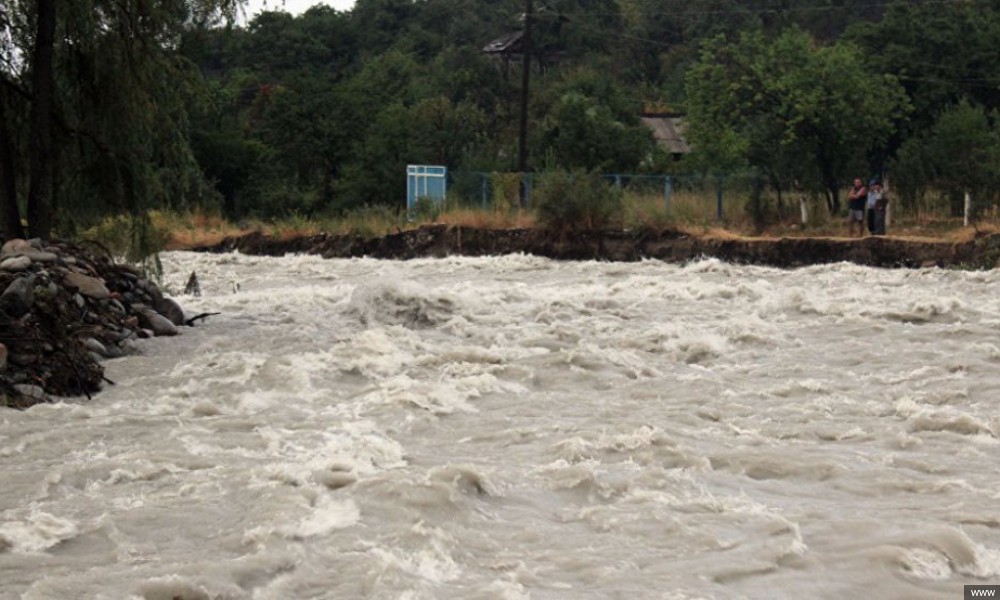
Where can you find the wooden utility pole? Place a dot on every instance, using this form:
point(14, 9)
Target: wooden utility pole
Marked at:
point(522, 152)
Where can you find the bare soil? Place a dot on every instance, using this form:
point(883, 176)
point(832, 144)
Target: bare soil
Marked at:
point(978, 251)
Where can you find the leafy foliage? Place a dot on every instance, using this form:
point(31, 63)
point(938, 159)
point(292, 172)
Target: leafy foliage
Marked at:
point(577, 201)
point(960, 154)
point(941, 55)
point(109, 98)
point(793, 109)
point(171, 103)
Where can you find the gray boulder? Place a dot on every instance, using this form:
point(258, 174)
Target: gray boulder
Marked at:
point(87, 285)
point(34, 392)
point(95, 346)
point(17, 299)
point(41, 255)
point(15, 263)
point(154, 321)
point(15, 246)
point(171, 310)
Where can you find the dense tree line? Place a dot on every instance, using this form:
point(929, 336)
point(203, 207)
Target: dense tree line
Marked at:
point(94, 108)
point(110, 106)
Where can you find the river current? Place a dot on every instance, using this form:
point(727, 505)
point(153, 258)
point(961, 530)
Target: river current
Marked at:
point(515, 427)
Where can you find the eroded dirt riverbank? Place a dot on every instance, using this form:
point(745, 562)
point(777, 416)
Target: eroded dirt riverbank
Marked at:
point(982, 252)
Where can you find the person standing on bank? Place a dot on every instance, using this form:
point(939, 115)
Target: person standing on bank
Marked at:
point(881, 204)
point(870, 204)
point(856, 200)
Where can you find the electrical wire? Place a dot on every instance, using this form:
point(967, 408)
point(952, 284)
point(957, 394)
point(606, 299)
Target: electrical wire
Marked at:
point(800, 9)
point(976, 83)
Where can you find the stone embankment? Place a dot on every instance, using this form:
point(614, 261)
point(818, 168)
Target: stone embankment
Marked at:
point(981, 252)
point(63, 310)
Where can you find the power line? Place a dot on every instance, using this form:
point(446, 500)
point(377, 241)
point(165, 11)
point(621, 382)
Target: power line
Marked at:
point(625, 36)
point(741, 11)
point(966, 81)
point(988, 83)
point(938, 66)
point(979, 83)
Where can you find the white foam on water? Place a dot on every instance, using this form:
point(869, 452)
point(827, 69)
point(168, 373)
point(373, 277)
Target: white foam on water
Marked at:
point(921, 417)
point(36, 533)
point(402, 303)
point(926, 564)
point(466, 479)
point(431, 561)
point(436, 398)
point(323, 515)
point(515, 427)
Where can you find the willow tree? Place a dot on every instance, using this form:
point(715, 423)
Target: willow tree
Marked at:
point(106, 94)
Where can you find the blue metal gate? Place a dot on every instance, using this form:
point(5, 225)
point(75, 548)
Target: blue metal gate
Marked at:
point(425, 181)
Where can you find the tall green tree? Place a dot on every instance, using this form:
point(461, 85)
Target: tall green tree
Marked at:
point(106, 93)
point(792, 108)
point(941, 53)
point(592, 124)
point(959, 154)
point(223, 143)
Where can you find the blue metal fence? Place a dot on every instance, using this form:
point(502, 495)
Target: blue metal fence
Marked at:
point(502, 190)
point(425, 181)
point(485, 189)
point(713, 196)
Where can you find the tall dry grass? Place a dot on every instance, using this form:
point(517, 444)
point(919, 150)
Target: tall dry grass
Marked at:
point(487, 219)
point(193, 228)
point(692, 212)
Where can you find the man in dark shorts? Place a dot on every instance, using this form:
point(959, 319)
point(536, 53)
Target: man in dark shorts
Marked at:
point(856, 200)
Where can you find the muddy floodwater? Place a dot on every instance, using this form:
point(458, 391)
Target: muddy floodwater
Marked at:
point(515, 427)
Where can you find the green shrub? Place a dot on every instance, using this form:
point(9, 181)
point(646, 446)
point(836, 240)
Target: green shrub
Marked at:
point(576, 201)
point(506, 191)
point(136, 240)
point(369, 221)
point(426, 209)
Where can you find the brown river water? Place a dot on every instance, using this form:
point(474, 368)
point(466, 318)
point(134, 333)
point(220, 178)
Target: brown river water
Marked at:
point(515, 428)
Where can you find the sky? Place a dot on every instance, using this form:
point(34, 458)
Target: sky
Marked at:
point(295, 7)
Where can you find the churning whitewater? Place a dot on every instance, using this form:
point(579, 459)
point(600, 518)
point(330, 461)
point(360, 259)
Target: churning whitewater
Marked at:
point(516, 428)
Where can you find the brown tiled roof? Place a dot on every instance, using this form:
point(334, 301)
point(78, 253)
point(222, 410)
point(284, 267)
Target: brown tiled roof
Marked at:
point(669, 133)
point(506, 43)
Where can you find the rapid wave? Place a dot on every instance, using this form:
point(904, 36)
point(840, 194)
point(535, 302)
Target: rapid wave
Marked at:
point(515, 427)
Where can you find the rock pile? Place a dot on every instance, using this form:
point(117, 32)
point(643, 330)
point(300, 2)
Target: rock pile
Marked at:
point(63, 310)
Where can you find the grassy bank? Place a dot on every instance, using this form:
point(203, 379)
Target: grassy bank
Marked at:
point(692, 214)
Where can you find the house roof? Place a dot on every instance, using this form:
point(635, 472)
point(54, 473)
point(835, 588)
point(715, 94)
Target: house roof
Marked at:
point(510, 42)
point(669, 133)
